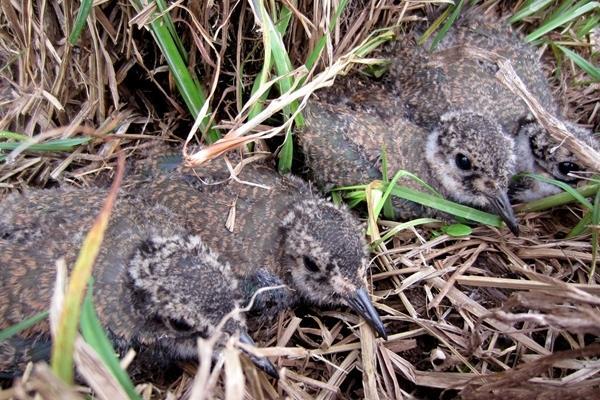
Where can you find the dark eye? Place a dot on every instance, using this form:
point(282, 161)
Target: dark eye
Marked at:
point(310, 264)
point(566, 167)
point(179, 325)
point(463, 162)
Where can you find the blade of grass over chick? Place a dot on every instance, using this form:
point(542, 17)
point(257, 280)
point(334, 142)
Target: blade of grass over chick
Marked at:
point(64, 342)
point(426, 199)
point(454, 14)
point(568, 196)
point(95, 336)
point(21, 326)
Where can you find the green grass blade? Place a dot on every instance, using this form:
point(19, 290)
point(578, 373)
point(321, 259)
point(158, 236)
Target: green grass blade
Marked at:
point(584, 64)
point(562, 18)
point(84, 10)
point(587, 26)
point(187, 83)
point(66, 331)
point(262, 77)
point(49, 146)
point(564, 186)
point(447, 206)
point(353, 203)
point(348, 188)
point(528, 9)
point(286, 153)
point(162, 7)
point(94, 335)
point(455, 13)
point(434, 26)
point(595, 222)
point(316, 53)
point(402, 226)
point(558, 199)
point(21, 326)
point(581, 226)
point(13, 135)
point(388, 207)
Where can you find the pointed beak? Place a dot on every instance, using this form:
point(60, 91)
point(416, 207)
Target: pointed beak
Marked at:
point(500, 204)
point(262, 363)
point(360, 302)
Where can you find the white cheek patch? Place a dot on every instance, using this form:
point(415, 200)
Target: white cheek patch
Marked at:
point(342, 286)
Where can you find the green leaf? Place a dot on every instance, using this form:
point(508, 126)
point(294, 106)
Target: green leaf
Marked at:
point(187, 82)
point(286, 154)
point(457, 230)
point(64, 342)
point(581, 226)
point(447, 25)
point(50, 146)
point(447, 206)
point(588, 25)
point(559, 199)
point(13, 135)
point(584, 64)
point(564, 186)
point(595, 222)
point(402, 226)
point(336, 198)
point(316, 53)
point(84, 10)
point(528, 9)
point(562, 18)
point(94, 335)
point(434, 26)
point(163, 8)
point(21, 326)
point(388, 207)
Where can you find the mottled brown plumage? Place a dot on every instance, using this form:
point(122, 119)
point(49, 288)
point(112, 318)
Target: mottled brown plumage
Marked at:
point(346, 130)
point(280, 233)
point(431, 84)
point(157, 288)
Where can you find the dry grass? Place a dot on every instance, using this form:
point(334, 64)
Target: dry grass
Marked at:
point(490, 316)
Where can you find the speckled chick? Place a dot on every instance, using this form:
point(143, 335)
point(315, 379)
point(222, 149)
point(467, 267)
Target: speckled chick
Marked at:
point(464, 156)
point(432, 84)
point(157, 288)
point(281, 233)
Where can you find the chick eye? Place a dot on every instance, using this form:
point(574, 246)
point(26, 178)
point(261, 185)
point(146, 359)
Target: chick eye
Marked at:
point(566, 167)
point(463, 162)
point(179, 325)
point(310, 264)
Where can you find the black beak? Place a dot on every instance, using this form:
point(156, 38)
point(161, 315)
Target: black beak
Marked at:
point(261, 362)
point(360, 302)
point(500, 204)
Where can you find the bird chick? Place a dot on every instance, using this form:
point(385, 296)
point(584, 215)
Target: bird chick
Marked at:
point(273, 231)
point(156, 287)
point(465, 156)
point(432, 84)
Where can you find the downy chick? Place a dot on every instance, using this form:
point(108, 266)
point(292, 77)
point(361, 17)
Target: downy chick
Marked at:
point(278, 233)
point(464, 156)
point(157, 288)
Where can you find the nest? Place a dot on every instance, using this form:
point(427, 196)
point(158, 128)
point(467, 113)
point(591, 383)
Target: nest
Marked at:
point(484, 317)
